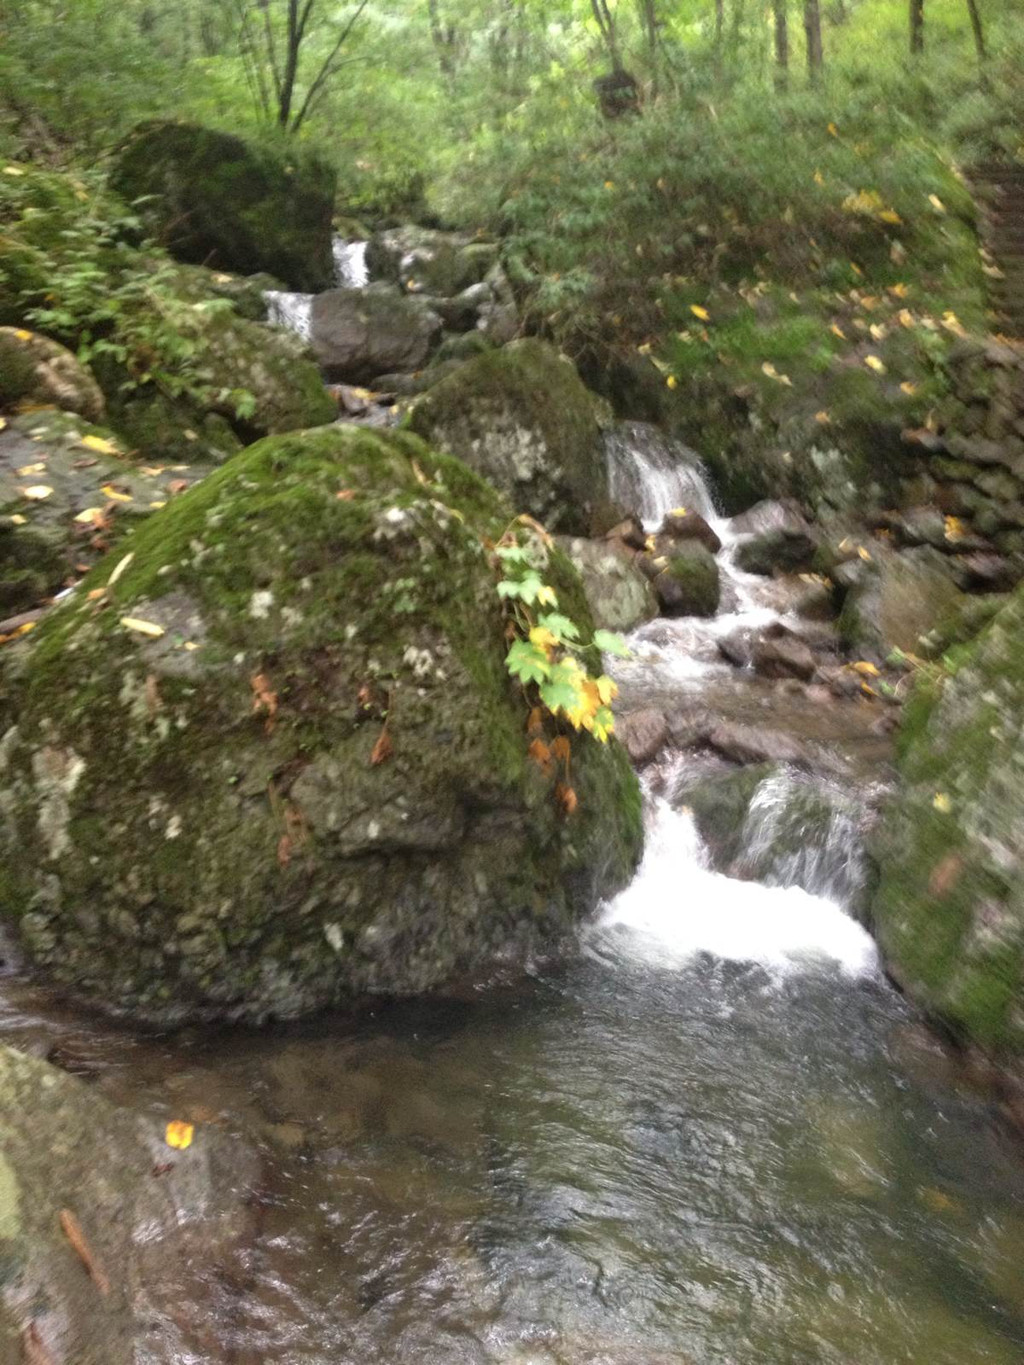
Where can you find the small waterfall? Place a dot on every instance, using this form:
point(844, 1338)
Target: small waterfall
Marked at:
point(295, 311)
point(650, 474)
point(350, 268)
point(676, 909)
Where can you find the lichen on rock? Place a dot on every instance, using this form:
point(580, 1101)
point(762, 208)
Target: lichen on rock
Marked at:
point(229, 846)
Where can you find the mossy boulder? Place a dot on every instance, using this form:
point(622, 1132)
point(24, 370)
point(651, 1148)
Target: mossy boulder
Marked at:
point(896, 599)
point(950, 906)
point(522, 417)
point(688, 582)
point(214, 199)
point(305, 774)
point(37, 370)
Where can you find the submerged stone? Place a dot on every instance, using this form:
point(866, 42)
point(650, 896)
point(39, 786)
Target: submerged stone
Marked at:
point(281, 761)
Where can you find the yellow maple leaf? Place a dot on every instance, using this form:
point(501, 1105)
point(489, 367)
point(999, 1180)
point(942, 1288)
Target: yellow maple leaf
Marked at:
point(546, 596)
point(179, 1134)
point(890, 216)
point(819, 179)
point(672, 382)
point(865, 668)
point(954, 528)
point(607, 690)
point(543, 638)
point(833, 130)
point(873, 363)
point(942, 803)
point(879, 331)
point(101, 445)
point(699, 312)
point(905, 318)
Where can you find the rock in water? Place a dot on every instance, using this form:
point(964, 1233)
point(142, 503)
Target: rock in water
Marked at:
point(522, 417)
point(96, 1213)
point(360, 334)
point(689, 583)
point(216, 200)
point(950, 904)
point(204, 812)
point(619, 595)
point(42, 371)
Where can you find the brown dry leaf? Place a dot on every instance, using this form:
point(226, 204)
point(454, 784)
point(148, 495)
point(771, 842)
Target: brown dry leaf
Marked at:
point(264, 700)
point(72, 1230)
point(284, 850)
point(95, 594)
point(177, 486)
point(541, 755)
point(535, 721)
point(561, 748)
point(566, 798)
point(383, 749)
point(822, 418)
point(33, 1348)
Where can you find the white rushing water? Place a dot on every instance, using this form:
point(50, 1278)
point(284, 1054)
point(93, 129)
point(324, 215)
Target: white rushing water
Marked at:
point(295, 311)
point(677, 907)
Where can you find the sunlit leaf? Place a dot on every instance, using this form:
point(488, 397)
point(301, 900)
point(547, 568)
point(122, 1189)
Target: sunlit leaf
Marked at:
point(101, 445)
point(142, 627)
point(36, 492)
point(179, 1134)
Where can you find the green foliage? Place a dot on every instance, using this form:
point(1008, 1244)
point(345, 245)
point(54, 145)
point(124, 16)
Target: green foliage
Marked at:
point(73, 265)
point(547, 653)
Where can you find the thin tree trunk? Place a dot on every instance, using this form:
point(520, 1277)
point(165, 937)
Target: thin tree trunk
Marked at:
point(977, 29)
point(812, 27)
point(606, 24)
point(781, 44)
point(916, 26)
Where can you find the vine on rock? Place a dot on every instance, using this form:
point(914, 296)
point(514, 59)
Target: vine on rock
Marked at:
point(561, 673)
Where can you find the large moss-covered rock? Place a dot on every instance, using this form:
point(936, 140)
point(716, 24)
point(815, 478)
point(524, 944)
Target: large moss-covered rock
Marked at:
point(143, 1210)
point(521, 416)
point(217, 200)
point(896, 599)
point(950, 906)
point(37, 370)
point(206, 814)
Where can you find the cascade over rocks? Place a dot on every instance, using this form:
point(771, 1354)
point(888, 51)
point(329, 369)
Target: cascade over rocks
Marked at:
point(950, 904)
point(216, 200)
point(360, 334)
point(522, 418)
point(304, 774)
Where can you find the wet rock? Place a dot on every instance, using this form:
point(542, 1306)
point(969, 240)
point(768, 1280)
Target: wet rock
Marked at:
point(719, 804)
point(897, 598)
point(262, 852)
point(748, 744)
point(985, 573)
point(685, 524)
point(522, 418)
point(950, 906)
point(737, 648)
point(643, 733)
point(499, 323)
point(427, 261)
point(143, 1209)
point(461, 313)
point(783, 656)
point(688, 581)
point(35, 369)
point(217, 200)
point(619, 595)
point(358, 334)
point(630, 533)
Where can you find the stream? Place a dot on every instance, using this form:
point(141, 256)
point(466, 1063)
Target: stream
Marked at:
point(715, 1136)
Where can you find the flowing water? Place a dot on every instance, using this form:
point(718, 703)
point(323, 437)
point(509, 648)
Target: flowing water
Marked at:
point(295, 311)
point(714, 1137)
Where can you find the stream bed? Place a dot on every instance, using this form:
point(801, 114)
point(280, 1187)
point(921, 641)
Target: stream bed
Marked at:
point(714, 1136)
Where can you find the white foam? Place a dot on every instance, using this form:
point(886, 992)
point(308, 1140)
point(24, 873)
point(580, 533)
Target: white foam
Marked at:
point(292, 311)
point(676, 909)
point(350, 268)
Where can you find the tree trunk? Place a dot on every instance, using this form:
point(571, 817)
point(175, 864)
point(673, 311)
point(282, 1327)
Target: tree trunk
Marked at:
point(812, 27)
point(916, 26)
point(606, 24)
point(781, 44)
point(977, 29)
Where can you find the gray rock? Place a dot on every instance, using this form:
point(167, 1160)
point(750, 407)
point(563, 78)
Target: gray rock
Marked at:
point(688, 581)
point(686, 524)
point(619, 595)
point(35, 369)
point(644, 734)
point(358, 334)
point(783, 656)
point(899, 598)
point(748, 744)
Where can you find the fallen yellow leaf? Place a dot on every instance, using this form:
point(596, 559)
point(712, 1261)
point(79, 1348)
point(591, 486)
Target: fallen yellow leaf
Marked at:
point(13, 170)
point(899, 291)
point(833, 130)
point(873, 363)
point(672, 381)
point(866, 668)
point(101, 445)
point(143, 627)
point(18, 519)
point(27, 469)
point(89, 516)
point(942, 803)
point(822, 418)
point(179, 1134)
point(838, 331)
point(936, 203)
point(699, 312)
point(37, 492)
point(114, 496)
point(908, 388)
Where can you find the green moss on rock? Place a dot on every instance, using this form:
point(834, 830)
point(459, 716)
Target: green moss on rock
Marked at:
point(522, 417)
point(195, 824)
point(950, 906)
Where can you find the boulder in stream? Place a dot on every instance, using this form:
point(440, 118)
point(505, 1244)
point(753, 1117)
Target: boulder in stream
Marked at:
point(522, 417)
point(360, 334)
point(98, 1217)
point(777, 539)
point(279, 760)
point(214, 199)
point(687, 581)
